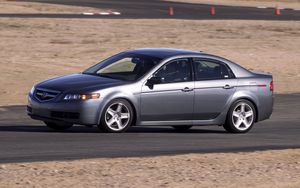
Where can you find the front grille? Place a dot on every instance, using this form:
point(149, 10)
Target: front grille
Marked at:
point(67, 115)
point(45, 94)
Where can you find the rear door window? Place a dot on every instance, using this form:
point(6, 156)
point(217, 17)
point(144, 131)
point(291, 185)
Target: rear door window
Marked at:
point(208, 69)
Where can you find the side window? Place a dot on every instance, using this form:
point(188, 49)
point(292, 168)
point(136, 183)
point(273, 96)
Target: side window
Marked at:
point(178, 70)
point(206, 69)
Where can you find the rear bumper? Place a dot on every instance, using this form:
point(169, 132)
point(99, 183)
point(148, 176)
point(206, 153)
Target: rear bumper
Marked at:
point(76, 112)
point(265, 109)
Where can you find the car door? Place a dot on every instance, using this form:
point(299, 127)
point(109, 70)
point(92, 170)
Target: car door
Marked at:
point(172, 99)
point(214, 86)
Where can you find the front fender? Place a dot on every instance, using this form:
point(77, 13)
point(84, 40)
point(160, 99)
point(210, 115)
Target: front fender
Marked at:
point(120, 93)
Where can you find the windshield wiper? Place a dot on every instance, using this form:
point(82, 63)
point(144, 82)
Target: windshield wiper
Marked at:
point(109, 76)
point(102, 75)
point(89, 73)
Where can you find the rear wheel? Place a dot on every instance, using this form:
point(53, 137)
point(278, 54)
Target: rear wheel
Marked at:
point(182, 127)
point(241, 117)
point(117, 116)
point(58, 126)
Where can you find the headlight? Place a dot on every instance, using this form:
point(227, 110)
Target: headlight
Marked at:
point(32, 90)
point(81, 96)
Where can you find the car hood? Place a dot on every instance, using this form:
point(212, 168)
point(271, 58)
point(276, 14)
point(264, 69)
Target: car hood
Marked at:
point(78, 82)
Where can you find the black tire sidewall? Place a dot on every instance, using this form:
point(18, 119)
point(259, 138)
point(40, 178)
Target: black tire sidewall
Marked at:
point(105, 128)
point(229, 126)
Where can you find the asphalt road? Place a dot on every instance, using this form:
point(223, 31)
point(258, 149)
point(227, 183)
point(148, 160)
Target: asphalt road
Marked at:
point(157, 9)
point(24, 140)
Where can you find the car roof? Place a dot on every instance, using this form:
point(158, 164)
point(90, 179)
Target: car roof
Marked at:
point(163, 53)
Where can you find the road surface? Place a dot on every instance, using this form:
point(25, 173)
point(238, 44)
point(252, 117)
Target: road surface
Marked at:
point(156, 9)
point(25, 140)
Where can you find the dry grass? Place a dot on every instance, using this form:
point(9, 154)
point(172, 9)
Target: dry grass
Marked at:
point(253, 170)
point(37, 49)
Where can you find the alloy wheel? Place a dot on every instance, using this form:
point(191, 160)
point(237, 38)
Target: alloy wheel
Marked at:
point(117, 116)
point(242, 116)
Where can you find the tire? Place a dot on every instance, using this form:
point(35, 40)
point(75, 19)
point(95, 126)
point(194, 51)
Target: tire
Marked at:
point(182, 128)
point(58, 126)
point(240, 117)
point(117, 116)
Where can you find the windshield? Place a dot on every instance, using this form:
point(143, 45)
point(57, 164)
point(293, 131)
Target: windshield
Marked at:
point(128, 67)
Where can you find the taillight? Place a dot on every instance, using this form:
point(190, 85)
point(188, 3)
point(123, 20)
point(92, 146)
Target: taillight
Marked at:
point(271, 86)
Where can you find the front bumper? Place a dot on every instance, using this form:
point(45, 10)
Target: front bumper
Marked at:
point(76, 112)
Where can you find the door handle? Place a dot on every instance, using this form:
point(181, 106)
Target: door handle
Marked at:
point(227, 87)
point(186, 89)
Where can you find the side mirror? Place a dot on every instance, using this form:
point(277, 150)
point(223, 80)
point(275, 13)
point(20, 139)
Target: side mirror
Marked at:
point(153, 80)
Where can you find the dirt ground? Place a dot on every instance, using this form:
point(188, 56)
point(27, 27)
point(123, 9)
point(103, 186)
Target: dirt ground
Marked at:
point(254, 170)
point(36, 49)
point(249, 3)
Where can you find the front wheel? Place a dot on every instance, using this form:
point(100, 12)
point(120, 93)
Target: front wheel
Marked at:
point(241, 117)
point(117, 116)
point(58, 126)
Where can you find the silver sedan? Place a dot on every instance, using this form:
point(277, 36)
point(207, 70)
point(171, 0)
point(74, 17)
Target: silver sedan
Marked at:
point(155, 87)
